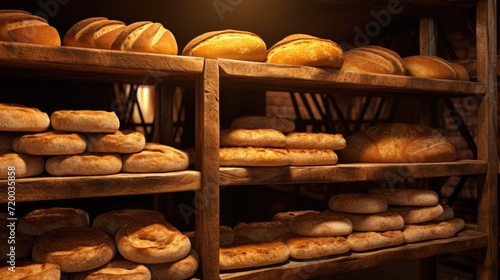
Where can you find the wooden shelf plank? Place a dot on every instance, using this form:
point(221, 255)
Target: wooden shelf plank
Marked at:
point(347, 172)
point(465, 240)
point(276, 77)
point(53, 188)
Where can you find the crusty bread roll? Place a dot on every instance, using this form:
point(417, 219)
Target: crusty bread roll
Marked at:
point(286, 216)
point(306, 50)
point(50, 143)
point(300, 157)
point(253, 156)
point(260, 231)
point(28, 270)
point(84, 164)
point(241, 137)
point(21, 26)
point(429, 66)
point(85, 121)
point(360, 203)
point(21, 164)
point(302, 248)
point(151, 240)
point(462, 73)
point(398, 143)
point(384, 221)
point(15, 117)
point(258, 122)
point(229, 43)
point(178, 270)
point(115, 269)
point(433, 230)
point(39, 221)
point(373, 59)
point(155, 158)
point(320, 141)
point(22, 245)
point(407, 197)
point(364, 241)
point(94, 32)
point(146, 36)
point(120, 142)
point(320, 224)
point(111, 221)
point(252, 255)
point(74, 249)
point(418, 214)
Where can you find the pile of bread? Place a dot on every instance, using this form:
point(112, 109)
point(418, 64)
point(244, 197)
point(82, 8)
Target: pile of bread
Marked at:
point(128, 243)
point(77, 142)
point(153, 37)
point(353, 222)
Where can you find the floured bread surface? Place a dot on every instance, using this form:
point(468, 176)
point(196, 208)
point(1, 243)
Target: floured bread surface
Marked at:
point(284, 125)
point(301, 247)
point(112, 221)
point(115, 269)
point(320, 141)
point(50, 143)
point(22, 165)
point(364, 241)
point(155, 158)
point(84, 164)
point(252, 255)
point(120, 142)
point(385, 221)
point(302, 157)
point(15, 117)
point(84, 121)
point(241, 137)
point(360, 203)
point(418, 214)
point(433, 230)
point(321, 224)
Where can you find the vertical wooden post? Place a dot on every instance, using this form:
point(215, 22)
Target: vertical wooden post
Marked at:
point(207, 162)
point(427, 36)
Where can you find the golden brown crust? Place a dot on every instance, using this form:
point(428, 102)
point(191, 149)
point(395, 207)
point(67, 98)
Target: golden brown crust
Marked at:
point(373, 59)
point(306, 50)
point(95, 32)
point(259, 122)
point(461, 71)
point(301, 247)
point(155, 158)
point(241, 137)
point(253, 156)
point(428, 66)
point(15, 117)
point(120, 142)
point(407, 197)
point(417, 214)
point(229, 44)
point(364, 241)
point(23, 27)
point(252, 255)
point(384, 221)
point(21, 164)
point(85, 121)
point(178, 270)
point(74, 249)
point(84, 164)
point(399, 143)
point(310, 140)
point(433, 230)
point(27, 270)
point(115, 269)
point(301, 157)
point(146, 36)
point(447, 214)
point(112, 221)
point(320, 224)
point(50, 143)
point(359, 203)
point(39, 221)
point(152, 240)
point(286, 216)
point(260, 231)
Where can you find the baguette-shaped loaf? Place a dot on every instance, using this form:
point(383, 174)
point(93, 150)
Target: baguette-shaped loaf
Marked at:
point(373, 59)
point(429, 66)
point(23, 27)
point(95, 32)
point(146, 36)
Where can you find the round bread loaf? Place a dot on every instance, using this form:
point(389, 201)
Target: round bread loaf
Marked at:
point(27, 270)
point(21, 165)
point(23, 27)
point(117, 270)
point(417, 214)
point(39, 221)
point(359, 203)
point(146, 36)
point(398, 143)
point(94, 32)
point(120, 142)
point(74, 249)
point(301, 157)
point(373, 59)
point(50, 143)
point(306, 50)
point(230, 44)
point(252, 255)
point(364, 241)
point(286, 216)
point(152, 240)
point(178, 270)
point(241, 137)
point(320, 224)
point(385, 221)
point(15, 117)
point(264, 122)
point(260, 231)
point(407, 197)
point(112, 221)
point(85, 164)
point(155, 158)
point(429, 66)
point(433, 230)
point(22, 246)
point(316, 247)
point(320, 141)
point(85, 121)
point(253, 156)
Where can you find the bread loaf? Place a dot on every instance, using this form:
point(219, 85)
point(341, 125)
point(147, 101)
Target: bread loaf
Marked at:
point(260, 231)
point(112, 221)
point(23, 27)
point(262, 122)
point(359, 203)
point(241, 137)
point(385, 221)
point(28, 270)
point(373, 59)
point(95, 32)
point(146, 36)
point(115, 269)
point(15, 117)
point(120, 142)
point(21, 164)
point(320, 141)
point(229, 43)
point(302, 248)
point(301, 157)
point(429, 66)
point(178, 270)
point(39, 221)
point(155, 157)
point(50, 143)
point(306, 50)
point(252, 255)
point(320, 224)
point(407, 197)
point(417, 214)
point(88, 121)
point(436, 230)
point(364, 241)
point(462, 73)
point(398, 143)
point(84, 165)
point(253, 156)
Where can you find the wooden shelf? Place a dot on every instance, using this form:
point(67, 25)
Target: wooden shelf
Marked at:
point(347, 172)
point(53, 188)
point(463, 241)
